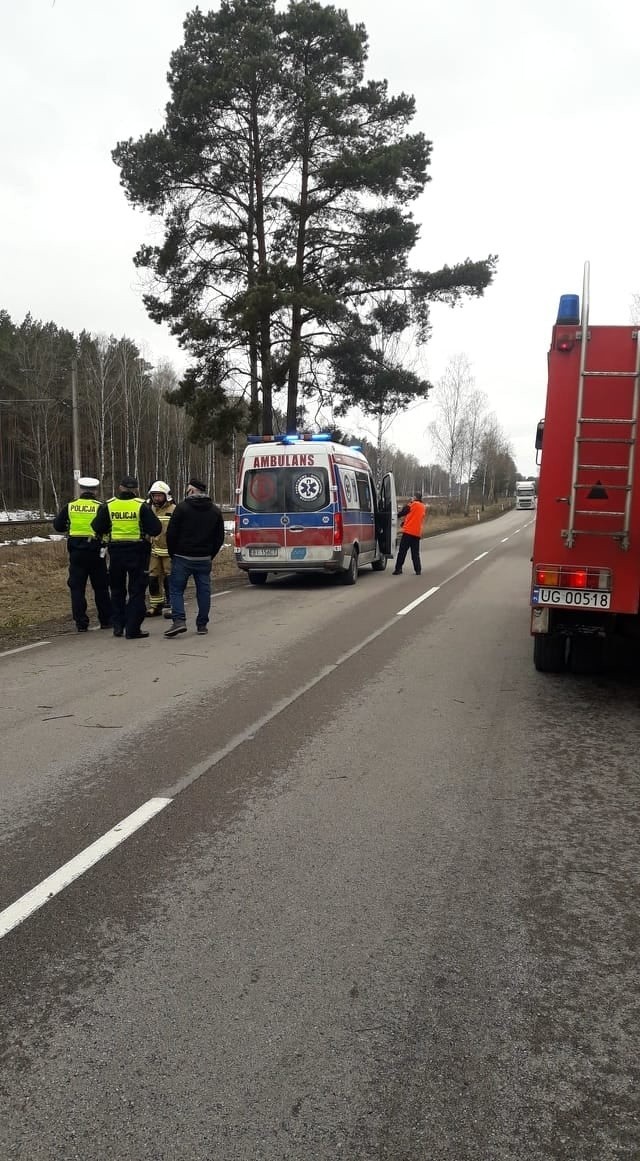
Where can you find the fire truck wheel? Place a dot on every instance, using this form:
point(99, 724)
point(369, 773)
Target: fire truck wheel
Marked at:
point(549, 653)
point(586, 655)
point(379, 565)
point(350, 575)
point(257, 578)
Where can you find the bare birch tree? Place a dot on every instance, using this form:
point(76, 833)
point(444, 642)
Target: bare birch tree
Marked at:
point(448, 429)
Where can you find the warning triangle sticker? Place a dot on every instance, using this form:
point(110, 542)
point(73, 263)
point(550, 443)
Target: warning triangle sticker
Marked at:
point(598, 492)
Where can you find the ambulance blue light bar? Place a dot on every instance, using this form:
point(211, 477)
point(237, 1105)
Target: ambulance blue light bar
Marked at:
point(355, 447)
point(569, 310)
point(306, 436)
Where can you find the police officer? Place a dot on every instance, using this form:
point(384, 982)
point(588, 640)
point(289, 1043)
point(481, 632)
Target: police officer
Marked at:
point(86, 555)
point(129, 523)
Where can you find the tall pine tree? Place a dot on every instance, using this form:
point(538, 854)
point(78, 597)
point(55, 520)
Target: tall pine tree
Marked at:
point(285, 182)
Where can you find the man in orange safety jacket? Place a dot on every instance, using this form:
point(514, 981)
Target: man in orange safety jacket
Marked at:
point(414, 515)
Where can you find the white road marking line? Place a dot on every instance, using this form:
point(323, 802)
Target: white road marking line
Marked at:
point(414, 604)
point(27, 904)
point(516, 531)
point(505, 540)
point(23, 648)
point(17, 912)
point(454, 575)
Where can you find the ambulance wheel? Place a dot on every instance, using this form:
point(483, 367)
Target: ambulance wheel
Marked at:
point(350, 575)
point(585, 654)
point(549, 653)
point(380, 564)
point(257, 578)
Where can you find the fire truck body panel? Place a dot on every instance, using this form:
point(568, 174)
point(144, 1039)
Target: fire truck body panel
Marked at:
point(603, 464)
point(586, 552)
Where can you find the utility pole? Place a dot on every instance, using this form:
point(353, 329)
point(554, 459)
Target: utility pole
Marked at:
point(74, 423)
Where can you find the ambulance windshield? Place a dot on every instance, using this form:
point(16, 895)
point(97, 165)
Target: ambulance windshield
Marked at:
point(286, 489)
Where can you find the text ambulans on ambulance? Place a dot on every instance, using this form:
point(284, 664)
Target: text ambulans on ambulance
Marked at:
point(306, 503)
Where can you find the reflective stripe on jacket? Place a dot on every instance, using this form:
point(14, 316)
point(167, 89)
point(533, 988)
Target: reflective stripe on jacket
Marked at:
point(414, 519)
point(81, 514)
point(159, 543)
point(125, 519)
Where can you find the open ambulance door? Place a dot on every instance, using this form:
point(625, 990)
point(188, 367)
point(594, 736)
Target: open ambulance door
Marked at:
point(387, 516)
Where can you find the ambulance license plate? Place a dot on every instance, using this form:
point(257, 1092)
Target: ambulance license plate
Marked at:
point(571, 598)
point(264, 550)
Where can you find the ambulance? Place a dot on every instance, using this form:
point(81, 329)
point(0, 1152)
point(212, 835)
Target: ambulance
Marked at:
point(308, 504)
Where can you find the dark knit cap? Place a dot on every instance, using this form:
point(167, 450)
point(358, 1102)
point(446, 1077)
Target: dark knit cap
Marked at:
point(129, 482)
point(193, 483)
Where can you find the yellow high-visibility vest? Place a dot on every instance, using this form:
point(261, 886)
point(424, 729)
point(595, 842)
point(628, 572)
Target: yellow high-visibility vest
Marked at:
point(81, 513)
point(125, 519)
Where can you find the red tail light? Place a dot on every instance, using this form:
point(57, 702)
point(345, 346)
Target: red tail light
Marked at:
point(570, 576)
point(337, 530)
point(236, 531)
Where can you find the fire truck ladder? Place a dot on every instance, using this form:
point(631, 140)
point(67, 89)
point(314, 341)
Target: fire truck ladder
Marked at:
point(624, 434)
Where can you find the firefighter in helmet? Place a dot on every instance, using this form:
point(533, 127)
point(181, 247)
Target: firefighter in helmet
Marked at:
point(160, 563)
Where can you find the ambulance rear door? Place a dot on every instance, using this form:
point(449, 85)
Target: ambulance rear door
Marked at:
point(387, 522)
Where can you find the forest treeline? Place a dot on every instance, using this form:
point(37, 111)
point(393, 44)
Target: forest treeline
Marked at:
point(126, 422)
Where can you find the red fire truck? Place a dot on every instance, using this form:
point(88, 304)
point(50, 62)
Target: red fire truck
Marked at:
point(586, 553)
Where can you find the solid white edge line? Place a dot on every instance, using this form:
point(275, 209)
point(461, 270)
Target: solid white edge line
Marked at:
point(23, 648)
point(414, 604)
point(25, 906)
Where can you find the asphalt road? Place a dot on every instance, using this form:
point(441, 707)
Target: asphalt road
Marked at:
point(385, 904)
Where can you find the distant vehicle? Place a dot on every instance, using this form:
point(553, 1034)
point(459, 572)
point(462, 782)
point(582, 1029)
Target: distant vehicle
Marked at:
point(525, 494)
point(586, 552)
point(306, 503)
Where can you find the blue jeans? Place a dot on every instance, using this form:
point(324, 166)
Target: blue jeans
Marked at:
point(181, 570)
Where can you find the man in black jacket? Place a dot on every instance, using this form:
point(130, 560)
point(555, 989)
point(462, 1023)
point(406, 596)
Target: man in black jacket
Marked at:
point(195, 534)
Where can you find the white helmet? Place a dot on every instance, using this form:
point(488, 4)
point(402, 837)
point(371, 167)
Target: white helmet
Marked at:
point(160, 486)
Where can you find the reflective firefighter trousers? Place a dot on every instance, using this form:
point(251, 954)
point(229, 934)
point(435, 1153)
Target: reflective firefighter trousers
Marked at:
point(128, 564)
point(159, 573)
point(86, 564)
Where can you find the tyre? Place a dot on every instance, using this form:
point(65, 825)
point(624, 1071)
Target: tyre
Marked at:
point(257, 578)
point(350, 575)
point(380, 564)
point(549, 653)
point(586, 654)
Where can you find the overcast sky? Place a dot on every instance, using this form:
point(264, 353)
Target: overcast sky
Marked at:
point(533, 108)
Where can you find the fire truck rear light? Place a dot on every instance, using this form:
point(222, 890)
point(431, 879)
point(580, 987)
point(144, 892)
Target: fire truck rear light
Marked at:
point(549, 577)
point(571, 576)
point(564, 343)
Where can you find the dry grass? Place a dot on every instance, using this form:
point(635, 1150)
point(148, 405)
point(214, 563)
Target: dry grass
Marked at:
point(34, 598)
point(439, 520)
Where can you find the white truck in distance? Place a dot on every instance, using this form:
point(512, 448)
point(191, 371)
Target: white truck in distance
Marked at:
point(525, 494)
